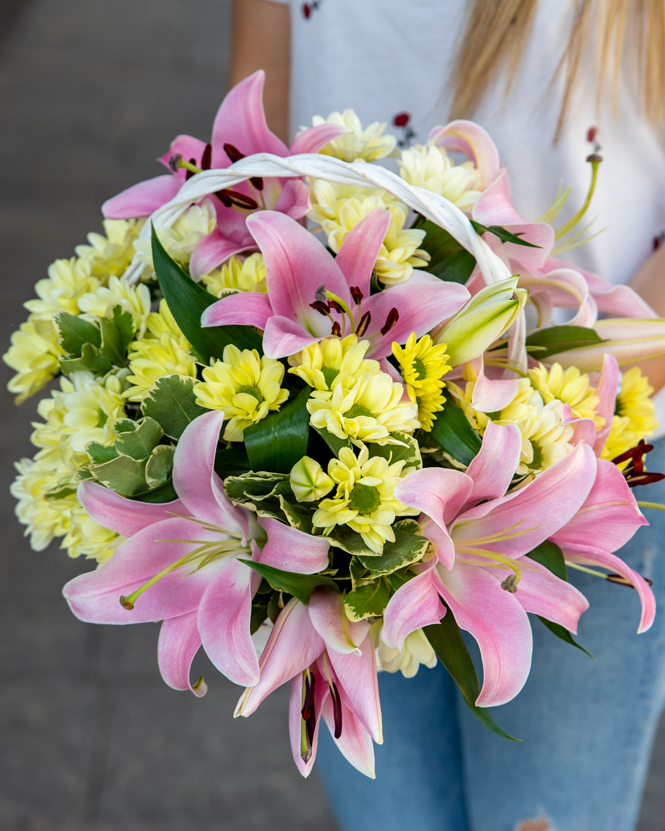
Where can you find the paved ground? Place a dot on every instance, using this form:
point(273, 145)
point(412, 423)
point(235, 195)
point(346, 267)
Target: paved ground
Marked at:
point(90, 92)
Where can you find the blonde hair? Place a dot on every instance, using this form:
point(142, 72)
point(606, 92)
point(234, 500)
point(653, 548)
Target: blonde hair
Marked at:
point(497, 31)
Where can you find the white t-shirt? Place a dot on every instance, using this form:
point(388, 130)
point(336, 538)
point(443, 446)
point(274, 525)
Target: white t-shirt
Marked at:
point(383, 58)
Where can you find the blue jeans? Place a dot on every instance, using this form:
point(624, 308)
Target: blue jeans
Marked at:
point(586, 726)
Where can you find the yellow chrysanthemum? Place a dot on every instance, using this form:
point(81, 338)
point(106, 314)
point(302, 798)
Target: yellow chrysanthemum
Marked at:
point(245, 386)
point(110, 255)
point(85, 409)
point(364, 498)
point(370, 411)
point(33, 355)
point(416, 650)
point(333, 361)
point(432, 168)
point(181, 238)
point(134, 299)
point(635, 414)
point(67, 282)
point(237, 275)
point(569, 386)
point(369, 144)
point(87, 538)
point(423, 365)
point(339, 208)
point(163, 351)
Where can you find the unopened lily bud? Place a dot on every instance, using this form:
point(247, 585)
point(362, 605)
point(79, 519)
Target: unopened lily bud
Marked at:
point(309, 481)
point(484, 319)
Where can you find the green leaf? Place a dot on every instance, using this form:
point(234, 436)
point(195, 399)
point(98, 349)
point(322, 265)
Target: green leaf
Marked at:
point(74, 332)
point(171, 402)
point(561, 632)
point(448, 643)
point(187, 301)
point(123, 475)
point(100, 453)
point(369, 600)
point(300, 586)
point(334, 443)
point(90, 360)
point(114, 347)
point(408, 451)
point(454, 435)
point(141, 441)
point(350, 541)
point(164, 493)
point(554, 339)
point(255, 487)
point(502, 234)
point(549, 554)
point(124, 323)
point(159, 466)
point(61, 491)
point(455, 269)
point(232, 461)
point(299, 515)
point(259, 612)
point(399, 578)
point(408, 548)
point(280, 440)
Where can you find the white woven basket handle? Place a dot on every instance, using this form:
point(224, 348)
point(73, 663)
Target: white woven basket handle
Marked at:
point(360, 174)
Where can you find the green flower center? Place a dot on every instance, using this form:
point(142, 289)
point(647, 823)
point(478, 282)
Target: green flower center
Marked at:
point(329, 373)
point(365, 499)
point(619, 407)
point(358, 410)
point(537, 456)
point(255, 391)
point(419, 368)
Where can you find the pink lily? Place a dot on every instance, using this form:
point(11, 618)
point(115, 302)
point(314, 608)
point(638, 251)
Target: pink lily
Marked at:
point(240, 129)
point(478, 531)
point(608, 518)
point(180, 564)
point(331, 665)
point(294, 314)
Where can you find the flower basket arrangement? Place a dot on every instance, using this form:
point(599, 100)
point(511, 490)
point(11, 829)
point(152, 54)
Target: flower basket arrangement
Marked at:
point(315, 417)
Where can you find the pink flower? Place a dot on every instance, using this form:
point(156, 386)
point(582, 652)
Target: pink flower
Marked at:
point(240, 129)
point(332, 668)
point(480, 533)
point(298, 268)
point(180, 564)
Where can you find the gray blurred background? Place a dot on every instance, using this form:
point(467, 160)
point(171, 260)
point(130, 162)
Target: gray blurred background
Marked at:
point(91, 91)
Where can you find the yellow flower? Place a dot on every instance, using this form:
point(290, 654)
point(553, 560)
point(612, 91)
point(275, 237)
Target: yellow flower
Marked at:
point(133, 299)
point(163, 351)
point(111, 255)
point(634, 418)
point(364, 499)
point(368, 144)
point(89, 539)
point(181, 238)
point(570, 386)
point(416, 650)
point(237, 275)
point(67, 282)
point(33, 354)
point(333, 361)
point(432, 168)
point(245, 386)
point(85, 409)
point(339, 208)
point(44, 518)
point(422, 365)
point(308, 481)
point(370, 411)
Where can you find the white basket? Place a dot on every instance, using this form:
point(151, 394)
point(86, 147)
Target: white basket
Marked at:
point(359, 174)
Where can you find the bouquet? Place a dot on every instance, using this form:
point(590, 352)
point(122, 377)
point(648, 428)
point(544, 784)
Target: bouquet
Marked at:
point(314, 415)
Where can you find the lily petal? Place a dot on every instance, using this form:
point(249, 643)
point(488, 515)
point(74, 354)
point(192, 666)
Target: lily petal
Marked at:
point(326, 611)
point(223, 621)
point(313, 139)
point(494, 466)
point(293, 645)
point(248, 308)
point(189, 148)
point(440, 494)
point(283, 337)
point(295, 721)
point(120, 514)
point(414, 605)
point(498, 623)
point(240, 121)
point(143, 198)
point(355, 743)
point(358, 254)
point(293, 199)
point(179, 641)
point(214, 250)
point(358, 676)
point(607, 389)
point(469, 138)
point(293, 550)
